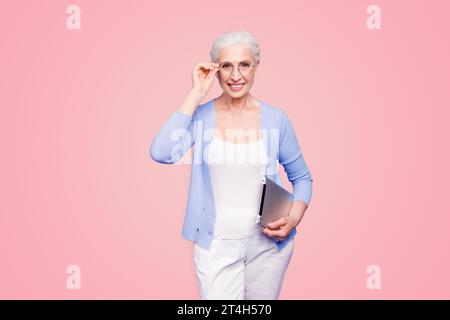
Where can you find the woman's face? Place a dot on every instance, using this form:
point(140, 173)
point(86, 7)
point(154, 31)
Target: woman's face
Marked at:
point(236, 68)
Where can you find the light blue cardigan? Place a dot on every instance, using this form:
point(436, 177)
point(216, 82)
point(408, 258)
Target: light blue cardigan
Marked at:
point(181, 131)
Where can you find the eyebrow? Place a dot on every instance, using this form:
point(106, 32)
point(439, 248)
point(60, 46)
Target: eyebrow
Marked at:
point(248, 60)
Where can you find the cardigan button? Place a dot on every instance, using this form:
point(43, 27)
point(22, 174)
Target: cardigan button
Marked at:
point(198, 229)
point(204, 209)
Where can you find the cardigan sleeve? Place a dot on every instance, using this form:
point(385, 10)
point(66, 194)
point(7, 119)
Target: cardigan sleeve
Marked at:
point(174, 138)
point(291, 157)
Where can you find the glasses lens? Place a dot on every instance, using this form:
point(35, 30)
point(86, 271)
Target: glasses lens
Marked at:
point(245, 67)
point(226, 68)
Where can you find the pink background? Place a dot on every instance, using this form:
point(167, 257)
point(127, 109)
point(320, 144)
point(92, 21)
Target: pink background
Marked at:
point(79, 110)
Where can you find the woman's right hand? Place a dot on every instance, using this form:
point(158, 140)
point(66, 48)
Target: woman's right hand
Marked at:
point(203, 77)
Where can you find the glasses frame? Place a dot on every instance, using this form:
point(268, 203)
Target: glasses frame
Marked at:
point(252, 67)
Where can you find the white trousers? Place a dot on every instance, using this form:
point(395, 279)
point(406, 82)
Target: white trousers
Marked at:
point(250, 268)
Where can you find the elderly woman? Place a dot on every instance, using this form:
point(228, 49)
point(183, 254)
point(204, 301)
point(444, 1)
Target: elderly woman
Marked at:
point(237, 140)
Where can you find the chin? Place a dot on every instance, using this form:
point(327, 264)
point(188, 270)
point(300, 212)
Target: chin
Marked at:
point(237, 94)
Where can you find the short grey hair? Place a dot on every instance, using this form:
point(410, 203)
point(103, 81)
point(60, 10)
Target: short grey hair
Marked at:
point(231, 38)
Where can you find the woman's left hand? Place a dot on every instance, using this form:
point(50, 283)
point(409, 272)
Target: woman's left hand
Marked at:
point(281, 228)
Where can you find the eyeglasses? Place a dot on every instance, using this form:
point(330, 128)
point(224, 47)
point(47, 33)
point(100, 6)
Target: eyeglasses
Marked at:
point(244, 67)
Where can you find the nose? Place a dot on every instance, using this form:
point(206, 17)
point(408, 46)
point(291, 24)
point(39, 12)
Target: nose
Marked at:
point(235, 74)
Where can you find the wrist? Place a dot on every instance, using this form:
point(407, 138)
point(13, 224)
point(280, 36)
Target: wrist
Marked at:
point(196, 96)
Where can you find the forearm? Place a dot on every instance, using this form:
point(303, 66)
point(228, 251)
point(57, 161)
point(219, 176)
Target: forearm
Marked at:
point(301, 179)
point(298, 210)
point(190, 103)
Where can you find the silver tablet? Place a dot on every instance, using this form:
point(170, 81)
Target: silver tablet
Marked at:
point(276, 202)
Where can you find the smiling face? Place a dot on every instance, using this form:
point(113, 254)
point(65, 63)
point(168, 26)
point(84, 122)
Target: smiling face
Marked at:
point(237, 70)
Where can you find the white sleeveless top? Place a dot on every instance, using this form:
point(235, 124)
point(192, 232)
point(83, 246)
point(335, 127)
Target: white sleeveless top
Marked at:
point(236, 171)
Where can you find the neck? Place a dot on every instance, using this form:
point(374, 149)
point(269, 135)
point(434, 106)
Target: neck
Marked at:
point(236, 105)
